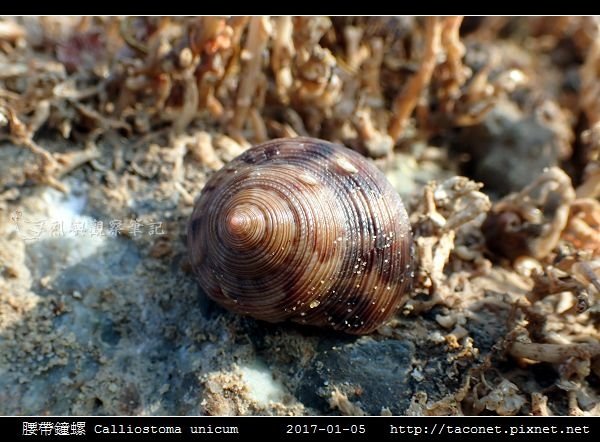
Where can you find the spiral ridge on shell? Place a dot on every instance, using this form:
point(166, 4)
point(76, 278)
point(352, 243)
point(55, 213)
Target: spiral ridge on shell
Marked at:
point(303, 230)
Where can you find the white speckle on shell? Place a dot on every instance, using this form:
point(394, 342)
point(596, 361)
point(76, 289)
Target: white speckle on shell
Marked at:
point(346, 165)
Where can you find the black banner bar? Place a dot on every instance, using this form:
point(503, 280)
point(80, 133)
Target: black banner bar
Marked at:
point(74, 428)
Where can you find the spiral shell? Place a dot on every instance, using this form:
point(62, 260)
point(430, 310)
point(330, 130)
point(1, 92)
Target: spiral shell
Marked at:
point(303, 230)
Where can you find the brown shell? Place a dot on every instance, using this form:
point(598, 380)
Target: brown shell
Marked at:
point(303, 230)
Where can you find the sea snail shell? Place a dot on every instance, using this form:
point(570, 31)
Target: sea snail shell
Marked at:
point(304, 230)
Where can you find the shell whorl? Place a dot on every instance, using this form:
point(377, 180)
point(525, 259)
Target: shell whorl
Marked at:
point(304, 230)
